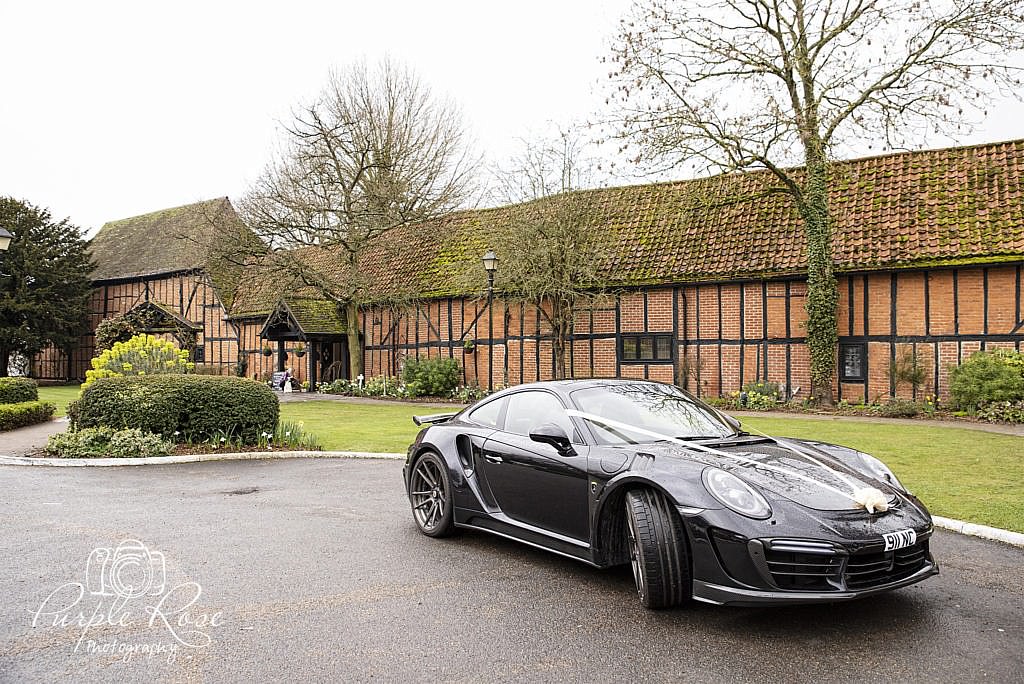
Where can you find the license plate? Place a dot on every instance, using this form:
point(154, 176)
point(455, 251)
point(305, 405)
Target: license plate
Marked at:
point(900, 539)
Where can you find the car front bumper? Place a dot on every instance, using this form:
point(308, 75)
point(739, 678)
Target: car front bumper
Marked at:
point(718, 594)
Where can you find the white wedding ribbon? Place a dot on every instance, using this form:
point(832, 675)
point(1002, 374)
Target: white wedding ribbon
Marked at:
point(856, 494)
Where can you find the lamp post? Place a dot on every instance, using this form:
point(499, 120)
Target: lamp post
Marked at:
point(5, 243)
point(490, 262)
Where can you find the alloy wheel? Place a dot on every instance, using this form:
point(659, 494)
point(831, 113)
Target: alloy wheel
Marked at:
point(428, 494)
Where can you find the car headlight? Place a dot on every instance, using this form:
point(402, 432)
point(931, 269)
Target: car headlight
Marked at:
point(880, 471)
point(736, 494)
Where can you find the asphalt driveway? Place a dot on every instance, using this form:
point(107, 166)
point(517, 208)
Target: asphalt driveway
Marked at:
point(313, 570)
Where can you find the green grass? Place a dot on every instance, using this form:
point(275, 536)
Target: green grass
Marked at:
point(957, 472)
point(343, 426)
point(59, 395)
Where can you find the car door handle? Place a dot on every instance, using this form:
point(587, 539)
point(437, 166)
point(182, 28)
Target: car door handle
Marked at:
point(493, 458)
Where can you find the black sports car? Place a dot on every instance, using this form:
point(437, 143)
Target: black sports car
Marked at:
point(619, 471)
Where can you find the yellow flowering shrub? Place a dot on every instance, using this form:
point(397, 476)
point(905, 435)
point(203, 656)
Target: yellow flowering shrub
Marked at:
point(141, 355)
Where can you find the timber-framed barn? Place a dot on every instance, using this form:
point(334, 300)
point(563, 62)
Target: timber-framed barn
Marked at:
point(704, 285)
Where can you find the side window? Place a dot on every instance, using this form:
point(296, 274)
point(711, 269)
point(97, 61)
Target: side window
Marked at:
point(527, 410)
point(489, 414)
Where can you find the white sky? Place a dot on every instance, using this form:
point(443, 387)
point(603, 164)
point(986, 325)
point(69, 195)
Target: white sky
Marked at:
point(113, 109)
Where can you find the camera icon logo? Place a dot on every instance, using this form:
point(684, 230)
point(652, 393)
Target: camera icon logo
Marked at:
point(129, 571)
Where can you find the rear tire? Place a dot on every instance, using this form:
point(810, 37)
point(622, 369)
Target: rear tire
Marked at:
point(430, 493)
point(658, 549)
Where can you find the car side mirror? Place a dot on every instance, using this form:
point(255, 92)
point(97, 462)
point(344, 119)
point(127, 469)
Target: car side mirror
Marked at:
point(732, 422)
point(552, 434)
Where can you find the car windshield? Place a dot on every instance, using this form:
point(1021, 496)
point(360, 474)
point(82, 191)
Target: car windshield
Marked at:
point(646, 412)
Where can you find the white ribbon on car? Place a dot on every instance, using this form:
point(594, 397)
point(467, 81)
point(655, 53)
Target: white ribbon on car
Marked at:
point(869, 498)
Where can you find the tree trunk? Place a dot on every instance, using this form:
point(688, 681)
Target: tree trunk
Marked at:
point(355, 347)
point(558, 349)
point(822, 292)
point(559, 333)
point(5, 355)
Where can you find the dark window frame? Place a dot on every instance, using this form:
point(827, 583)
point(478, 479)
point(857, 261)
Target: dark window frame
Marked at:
point(862, 348)
point(637, 340)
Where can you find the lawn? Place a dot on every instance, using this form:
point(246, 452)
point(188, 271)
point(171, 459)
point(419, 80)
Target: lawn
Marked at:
point(344, 426)
point(60, 395)
point(958, 472)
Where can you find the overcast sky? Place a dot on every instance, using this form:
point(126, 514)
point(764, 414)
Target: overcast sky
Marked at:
point(113, 109)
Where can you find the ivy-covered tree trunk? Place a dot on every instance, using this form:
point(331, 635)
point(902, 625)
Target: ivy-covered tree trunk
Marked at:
point(822, 293)
point(355, 346)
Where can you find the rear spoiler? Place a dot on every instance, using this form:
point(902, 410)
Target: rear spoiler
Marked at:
point(436, 418)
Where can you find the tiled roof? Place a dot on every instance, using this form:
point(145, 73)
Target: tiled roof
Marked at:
point(194, 236)
point(903, 210)
point(316, 316)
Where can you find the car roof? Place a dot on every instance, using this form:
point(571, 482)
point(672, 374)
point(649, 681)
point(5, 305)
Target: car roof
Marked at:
point(564, 387)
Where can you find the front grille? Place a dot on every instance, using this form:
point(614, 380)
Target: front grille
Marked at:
point(804, 565)
point(873, 569)
point(807, 566)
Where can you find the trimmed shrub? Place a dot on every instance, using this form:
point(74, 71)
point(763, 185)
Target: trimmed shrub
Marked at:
point(105, 442)
point(987, 377)
point(25, 413)
point(436, 377)
point(17, 390)
point(141, 355)
point(180, 407)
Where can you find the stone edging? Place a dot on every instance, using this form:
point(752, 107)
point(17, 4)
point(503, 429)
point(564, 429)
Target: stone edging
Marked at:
point(970, 529)
point(975, 530)
point(190, 458)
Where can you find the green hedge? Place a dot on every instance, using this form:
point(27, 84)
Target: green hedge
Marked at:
point(179, 407)
point(25, 413)
point(17, 390)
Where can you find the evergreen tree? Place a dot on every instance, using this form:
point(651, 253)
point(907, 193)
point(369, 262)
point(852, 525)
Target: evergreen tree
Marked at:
point(44, 282)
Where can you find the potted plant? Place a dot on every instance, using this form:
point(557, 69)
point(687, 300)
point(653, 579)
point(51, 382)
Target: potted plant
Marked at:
point(300, 350)
point(469, 346)
point(267, 351)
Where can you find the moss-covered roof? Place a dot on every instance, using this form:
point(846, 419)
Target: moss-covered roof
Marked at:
point(316, 316)
point(934, 207)
point(201, 236)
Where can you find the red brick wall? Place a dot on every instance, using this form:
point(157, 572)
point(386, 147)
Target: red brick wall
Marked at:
point(940, 316)
point(728, 333)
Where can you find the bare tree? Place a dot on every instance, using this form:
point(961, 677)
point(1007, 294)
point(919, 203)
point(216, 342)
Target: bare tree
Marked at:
point(375, 152)
point(765, 84)
point(554, 246)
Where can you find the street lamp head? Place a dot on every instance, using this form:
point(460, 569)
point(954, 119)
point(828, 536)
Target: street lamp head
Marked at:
point(5, 239)
point(490, 260)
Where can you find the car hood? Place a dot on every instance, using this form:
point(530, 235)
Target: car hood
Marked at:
point(788, 469)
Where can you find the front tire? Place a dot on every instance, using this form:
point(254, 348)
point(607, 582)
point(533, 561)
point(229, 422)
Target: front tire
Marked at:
point(658, 550)
point(430, 492)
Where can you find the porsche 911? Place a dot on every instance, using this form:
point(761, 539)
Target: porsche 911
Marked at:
point(615, 472)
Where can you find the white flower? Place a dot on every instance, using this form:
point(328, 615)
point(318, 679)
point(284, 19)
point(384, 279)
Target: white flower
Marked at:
point(288, 434)
point(176, 433)
point(223, 439)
